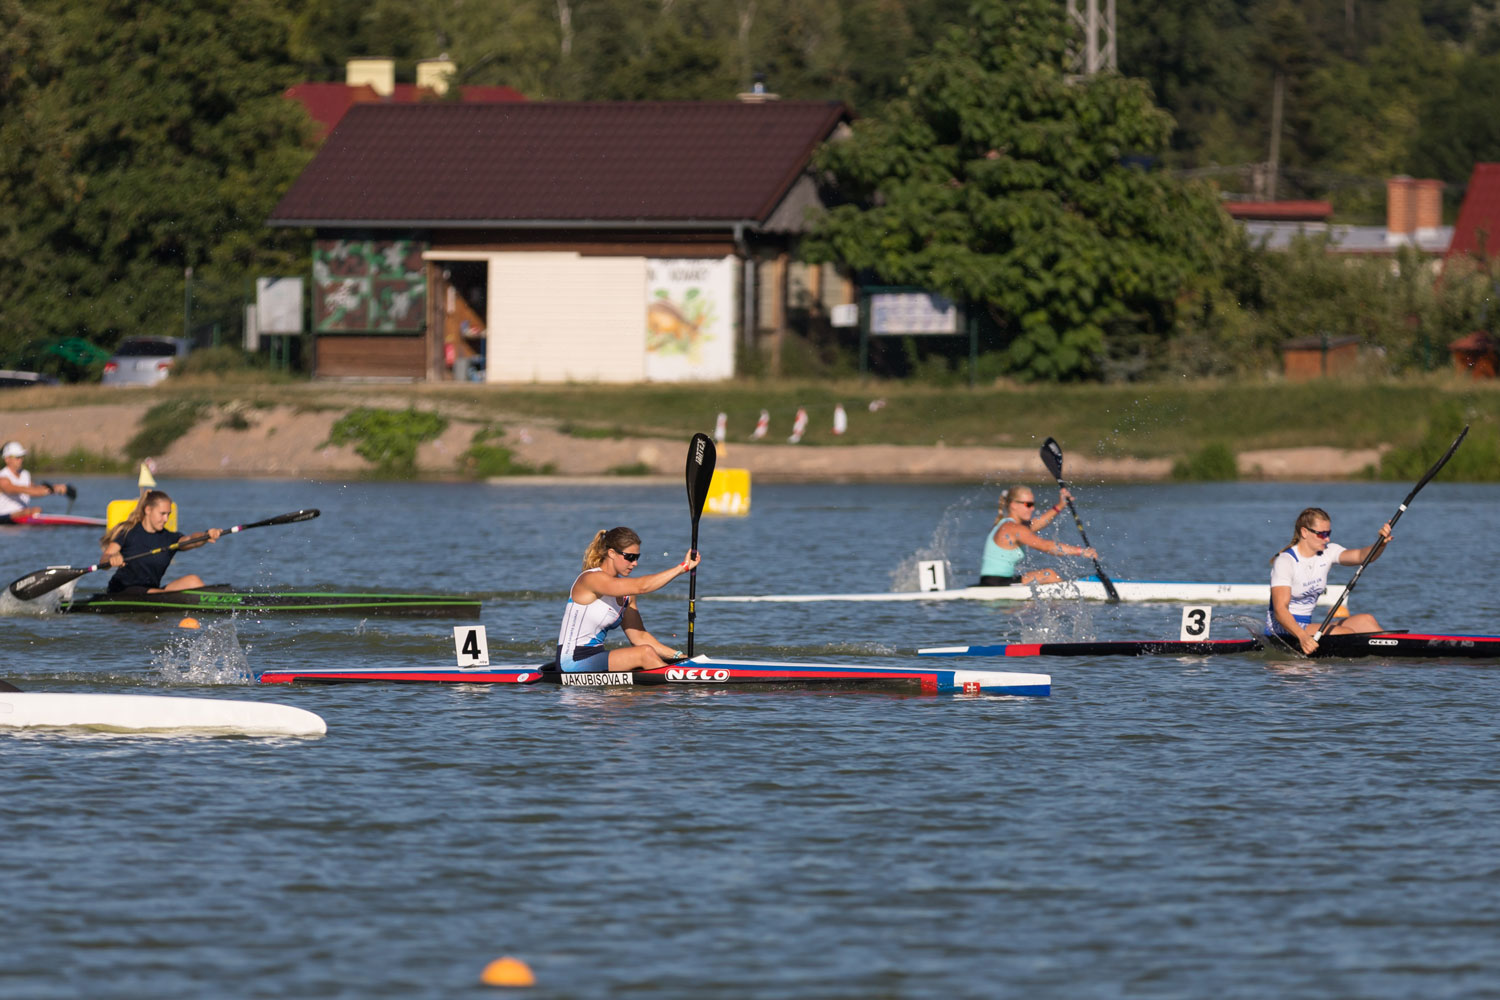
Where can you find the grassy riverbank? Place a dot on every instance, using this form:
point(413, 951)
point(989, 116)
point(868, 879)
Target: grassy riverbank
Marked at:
point(1176, 420)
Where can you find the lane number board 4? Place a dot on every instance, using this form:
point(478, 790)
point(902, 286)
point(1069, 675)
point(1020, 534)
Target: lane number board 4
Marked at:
point(471, 646)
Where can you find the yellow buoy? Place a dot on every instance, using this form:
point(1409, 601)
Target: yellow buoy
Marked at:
point(188, 623)
point(729, 493)
point(507, 971)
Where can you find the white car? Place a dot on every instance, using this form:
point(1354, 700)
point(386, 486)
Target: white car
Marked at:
point(144, 360)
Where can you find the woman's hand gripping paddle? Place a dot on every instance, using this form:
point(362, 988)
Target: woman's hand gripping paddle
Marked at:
point(700, 472)
point(44, 581)
point(1052, 458)
point(1380, 542)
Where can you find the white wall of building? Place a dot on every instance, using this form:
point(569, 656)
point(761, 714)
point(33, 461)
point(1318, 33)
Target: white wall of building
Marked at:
point(559, 317)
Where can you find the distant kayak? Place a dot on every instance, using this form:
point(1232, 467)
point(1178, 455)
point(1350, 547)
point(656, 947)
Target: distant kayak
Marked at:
point(58, 521)
point(209, 600)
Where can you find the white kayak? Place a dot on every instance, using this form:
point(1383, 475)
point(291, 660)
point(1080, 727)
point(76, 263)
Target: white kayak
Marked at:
point(155, 713)
point(1088, 589)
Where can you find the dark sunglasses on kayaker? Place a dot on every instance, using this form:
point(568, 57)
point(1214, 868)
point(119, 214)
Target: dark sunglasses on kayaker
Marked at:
point(1322, 534)
point(1025, 503)
point(629, 557)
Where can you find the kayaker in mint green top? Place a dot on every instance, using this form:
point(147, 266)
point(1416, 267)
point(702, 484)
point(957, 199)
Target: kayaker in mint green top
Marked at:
point(1013, 532)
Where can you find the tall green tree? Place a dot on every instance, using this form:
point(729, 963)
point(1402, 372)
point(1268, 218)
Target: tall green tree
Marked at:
point(1000, 181)
point(159, 141)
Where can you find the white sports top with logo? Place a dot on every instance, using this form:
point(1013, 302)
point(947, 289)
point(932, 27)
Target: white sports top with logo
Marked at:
point(11, 503)
point(1307, 578)
point(586, 624)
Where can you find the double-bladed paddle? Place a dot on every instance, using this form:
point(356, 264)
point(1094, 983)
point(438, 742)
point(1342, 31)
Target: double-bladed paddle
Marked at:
point(44, 581)
point(1052, 458)
point(700, 472)
point(1380, 542)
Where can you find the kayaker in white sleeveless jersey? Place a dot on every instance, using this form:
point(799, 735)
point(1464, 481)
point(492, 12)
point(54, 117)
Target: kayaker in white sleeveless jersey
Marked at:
point(16, 486)
point(1299, 576)
point(603, 598)
point(1013, 532)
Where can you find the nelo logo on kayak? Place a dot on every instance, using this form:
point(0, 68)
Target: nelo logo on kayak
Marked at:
point(616, 679)
point(1384, 642)
point(697, 674)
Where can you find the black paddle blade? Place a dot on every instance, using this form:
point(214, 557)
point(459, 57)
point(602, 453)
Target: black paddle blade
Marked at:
point(44, 581)
point(700, 472)
point(292, 518)
point(1052, 458)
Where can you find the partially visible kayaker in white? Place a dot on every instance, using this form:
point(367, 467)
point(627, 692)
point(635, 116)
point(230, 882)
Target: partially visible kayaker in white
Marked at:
point(15, 485)
point(603, 598)
point(1299, 575)
point(1013, 532)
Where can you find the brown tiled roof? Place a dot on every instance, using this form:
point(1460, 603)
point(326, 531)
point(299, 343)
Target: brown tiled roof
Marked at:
point(1277, 211)
point(450, 164)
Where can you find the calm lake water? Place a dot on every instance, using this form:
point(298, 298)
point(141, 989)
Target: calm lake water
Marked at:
point(1230, 827)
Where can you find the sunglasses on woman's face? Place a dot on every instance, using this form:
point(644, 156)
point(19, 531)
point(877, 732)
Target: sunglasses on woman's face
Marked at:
point(1024, 503)
point(1322, 534)
point(630, 557)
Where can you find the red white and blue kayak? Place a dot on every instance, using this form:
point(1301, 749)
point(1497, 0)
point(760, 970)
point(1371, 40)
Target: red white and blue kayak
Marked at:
point(702, 670)
point(59, 521)
point(1391, 644)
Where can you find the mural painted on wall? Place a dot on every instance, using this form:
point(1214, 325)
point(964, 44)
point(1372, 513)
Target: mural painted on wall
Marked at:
point(689, 319)
point(369, 286)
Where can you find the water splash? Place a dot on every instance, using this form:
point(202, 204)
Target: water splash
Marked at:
point(48, 604)
point(904, 577)
point(1066, 618)
point(209, 655)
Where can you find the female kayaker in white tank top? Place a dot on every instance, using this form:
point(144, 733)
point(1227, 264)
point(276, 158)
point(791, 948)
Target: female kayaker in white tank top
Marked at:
point(603, 598)
point(1299, 575)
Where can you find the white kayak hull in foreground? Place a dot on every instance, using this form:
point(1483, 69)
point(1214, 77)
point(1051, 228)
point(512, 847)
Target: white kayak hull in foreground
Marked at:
point(155, 713)
point(1088, 589)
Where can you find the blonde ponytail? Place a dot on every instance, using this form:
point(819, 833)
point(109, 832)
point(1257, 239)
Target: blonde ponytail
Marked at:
point(1306, 519)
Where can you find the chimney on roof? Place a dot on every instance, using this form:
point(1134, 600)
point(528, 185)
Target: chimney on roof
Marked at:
point(435, 74)
point(1428, 211)
point(758, 94)
point(1400, 210)
point(379, 74)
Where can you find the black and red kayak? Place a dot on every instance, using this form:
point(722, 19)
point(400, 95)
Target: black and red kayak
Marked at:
point(57, 521)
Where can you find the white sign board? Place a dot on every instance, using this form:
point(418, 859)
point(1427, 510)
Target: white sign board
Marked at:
point(472, 647)
point(689, 319)
point(898, 313)
point(845, 315)
point(1195, 622)
point(278, 305)
point(932, 575)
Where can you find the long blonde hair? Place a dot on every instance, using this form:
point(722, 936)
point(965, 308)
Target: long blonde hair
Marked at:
point(614, 538)
point(1304, 520)
point(119, 531)
point(1006, 496)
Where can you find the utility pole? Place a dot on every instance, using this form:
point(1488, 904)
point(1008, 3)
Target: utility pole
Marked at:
point(1098, 54)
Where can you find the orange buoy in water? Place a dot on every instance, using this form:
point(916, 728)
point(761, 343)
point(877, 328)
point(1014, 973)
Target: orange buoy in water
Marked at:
point(188, 623)
point(507, 971)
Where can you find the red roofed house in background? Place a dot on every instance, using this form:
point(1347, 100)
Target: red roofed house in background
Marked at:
point(552, 242)
point(1476, 240)
point(372, 80)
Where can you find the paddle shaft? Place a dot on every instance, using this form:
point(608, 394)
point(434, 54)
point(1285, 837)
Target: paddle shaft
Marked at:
point(1052, 459)
point(1380, 542)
